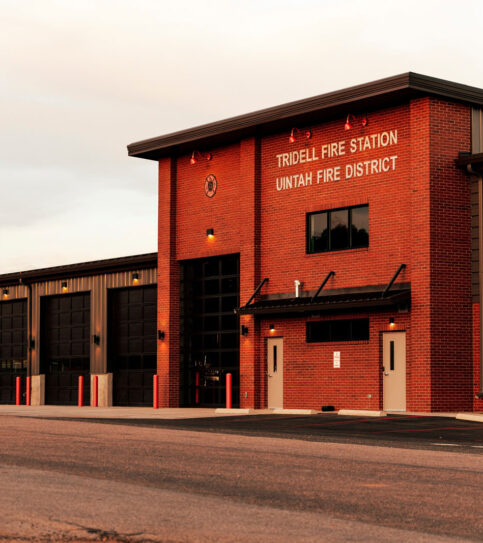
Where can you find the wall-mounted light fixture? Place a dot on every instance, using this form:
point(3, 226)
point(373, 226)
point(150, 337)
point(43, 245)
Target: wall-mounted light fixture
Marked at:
point(64, 286)
point(392, 324)
point(135, 278)
point(351, 118)
point(196, 155)
point(307, 134)
point(348, 123)
point(272, 328)
point(244, 330)
point(96, 339)
point(210, 233)
point(5, 293)
point(161, 334)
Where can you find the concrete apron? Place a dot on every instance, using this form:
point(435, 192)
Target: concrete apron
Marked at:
point(73, 412)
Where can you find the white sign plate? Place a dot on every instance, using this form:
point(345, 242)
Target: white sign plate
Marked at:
point(336, 359)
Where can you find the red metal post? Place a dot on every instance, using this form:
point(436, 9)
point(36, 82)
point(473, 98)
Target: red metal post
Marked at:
point(228, 390)
point(155, 391)
point(27, 396)
point(17, 395)
point(197, 388)
point(94, 391)
point(80, 398)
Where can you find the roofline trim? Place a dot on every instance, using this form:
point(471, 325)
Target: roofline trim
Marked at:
point(250, 121)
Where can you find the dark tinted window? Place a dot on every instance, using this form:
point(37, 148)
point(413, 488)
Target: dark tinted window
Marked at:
point(339, 330)
point(338, 229)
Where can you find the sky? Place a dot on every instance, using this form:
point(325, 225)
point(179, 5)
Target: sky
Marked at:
point(79, 80)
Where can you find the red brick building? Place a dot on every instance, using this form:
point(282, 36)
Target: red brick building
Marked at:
point(358, 215)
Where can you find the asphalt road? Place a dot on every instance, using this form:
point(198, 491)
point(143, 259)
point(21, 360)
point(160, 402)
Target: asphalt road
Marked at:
point(78, 481)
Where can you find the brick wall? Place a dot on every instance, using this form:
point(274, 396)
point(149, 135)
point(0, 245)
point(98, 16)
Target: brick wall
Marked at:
point(418, 215)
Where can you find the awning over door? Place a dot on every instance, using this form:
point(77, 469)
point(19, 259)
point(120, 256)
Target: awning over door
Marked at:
point(333, 300)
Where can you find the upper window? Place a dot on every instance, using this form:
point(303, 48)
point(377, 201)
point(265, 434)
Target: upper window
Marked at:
point(338, 229)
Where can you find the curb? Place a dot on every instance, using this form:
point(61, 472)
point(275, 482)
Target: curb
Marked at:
point(294, 412)
point(361, 413)
point(233, 411)
point(468, 416)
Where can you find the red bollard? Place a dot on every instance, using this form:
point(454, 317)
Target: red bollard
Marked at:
point(94, 391)
point(17, 395)
point(155, 391)
point(197, 388)
point(80, 398)
point(228, 390)
point(27, 396)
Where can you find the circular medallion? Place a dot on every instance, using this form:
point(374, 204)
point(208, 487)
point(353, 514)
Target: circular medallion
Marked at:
point(210, 186)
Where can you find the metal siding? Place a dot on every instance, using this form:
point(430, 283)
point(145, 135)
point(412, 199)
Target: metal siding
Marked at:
point(97, 285)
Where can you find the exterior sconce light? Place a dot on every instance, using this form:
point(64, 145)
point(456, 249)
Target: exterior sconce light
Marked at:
point(196, 155)
point(5, 293)
point(161, 334)
point(272, 328)
point(351, 118)
point(306, 133)
point(244, 330)
point(348, 123)
point(96, 339)
point(135, 278)
point(392, 324)
point(210, 233)
point(64, 286)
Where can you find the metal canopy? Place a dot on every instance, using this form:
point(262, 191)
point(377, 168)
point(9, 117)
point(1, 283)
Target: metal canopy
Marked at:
point(367, 299)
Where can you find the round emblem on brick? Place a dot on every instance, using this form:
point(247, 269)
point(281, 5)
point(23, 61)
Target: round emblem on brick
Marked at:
point(210, 185)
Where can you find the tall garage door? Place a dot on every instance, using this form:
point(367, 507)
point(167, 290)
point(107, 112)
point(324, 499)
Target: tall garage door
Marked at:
point(13, 348)
point(210, 334)
point(132, 344)
point(65, 347)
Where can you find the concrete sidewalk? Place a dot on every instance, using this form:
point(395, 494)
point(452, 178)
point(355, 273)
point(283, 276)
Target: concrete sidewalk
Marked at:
point(74, 412)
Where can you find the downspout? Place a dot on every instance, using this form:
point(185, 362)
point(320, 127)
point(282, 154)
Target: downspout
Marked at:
point(479, 177)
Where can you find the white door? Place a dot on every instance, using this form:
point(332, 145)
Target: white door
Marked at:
point(275, 372)
point(394, 370)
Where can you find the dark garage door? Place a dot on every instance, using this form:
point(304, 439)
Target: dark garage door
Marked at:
point(132, 344)
point(13, 348)
point(65, 347)
point(210, 336)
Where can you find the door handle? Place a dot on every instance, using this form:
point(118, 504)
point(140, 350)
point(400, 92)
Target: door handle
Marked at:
point(385, 373)
point(269, 374)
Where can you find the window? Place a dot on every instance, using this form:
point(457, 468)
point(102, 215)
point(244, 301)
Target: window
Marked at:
point(340, 330)
point(338, 229)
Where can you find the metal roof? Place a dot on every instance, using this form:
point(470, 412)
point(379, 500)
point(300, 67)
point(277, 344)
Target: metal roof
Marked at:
point(96, 267)
point(381, 93)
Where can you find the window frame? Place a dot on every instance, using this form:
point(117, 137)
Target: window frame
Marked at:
point(349, 209)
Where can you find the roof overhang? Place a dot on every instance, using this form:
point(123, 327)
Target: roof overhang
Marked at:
point(381, 93)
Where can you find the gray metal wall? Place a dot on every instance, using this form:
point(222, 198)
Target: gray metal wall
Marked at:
point(98, 286)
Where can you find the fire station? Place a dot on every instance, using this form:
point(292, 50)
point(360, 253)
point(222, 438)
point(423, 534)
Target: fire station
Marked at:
point(327, 253)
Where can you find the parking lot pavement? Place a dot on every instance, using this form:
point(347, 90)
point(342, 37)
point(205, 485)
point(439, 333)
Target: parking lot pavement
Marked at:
point(407, 431)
